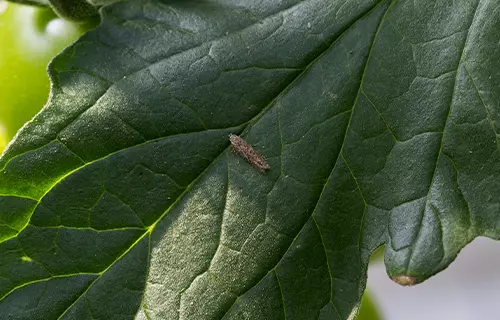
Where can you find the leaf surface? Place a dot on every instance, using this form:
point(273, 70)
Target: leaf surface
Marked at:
point(379, 119)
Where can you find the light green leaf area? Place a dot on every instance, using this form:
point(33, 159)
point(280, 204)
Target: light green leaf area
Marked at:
point(379, 119)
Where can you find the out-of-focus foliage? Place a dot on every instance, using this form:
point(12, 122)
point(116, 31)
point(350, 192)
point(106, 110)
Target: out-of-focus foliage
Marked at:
point(29, 38)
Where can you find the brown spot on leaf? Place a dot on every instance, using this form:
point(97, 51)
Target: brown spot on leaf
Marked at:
point(405, 280)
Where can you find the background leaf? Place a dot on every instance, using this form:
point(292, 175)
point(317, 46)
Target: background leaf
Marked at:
point(379, 120)
point(74, 10)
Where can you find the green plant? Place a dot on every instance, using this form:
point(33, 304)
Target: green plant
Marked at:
point(379, 120)
point(29, 37)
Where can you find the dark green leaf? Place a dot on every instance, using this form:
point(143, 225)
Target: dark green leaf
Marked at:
point(121, 199)
point(74, 10)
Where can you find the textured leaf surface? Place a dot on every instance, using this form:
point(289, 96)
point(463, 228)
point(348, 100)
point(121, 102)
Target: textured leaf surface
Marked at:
point(121, 199)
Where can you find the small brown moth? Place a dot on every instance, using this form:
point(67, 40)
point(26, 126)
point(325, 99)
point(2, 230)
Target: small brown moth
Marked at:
point(245, 150)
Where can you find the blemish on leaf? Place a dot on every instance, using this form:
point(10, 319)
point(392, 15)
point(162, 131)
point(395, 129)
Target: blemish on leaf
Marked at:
point(26, 259)
point(405, 280)
point(245, 150)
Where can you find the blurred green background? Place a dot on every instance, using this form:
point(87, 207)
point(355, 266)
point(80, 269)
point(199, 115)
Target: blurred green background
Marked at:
point(29, 38)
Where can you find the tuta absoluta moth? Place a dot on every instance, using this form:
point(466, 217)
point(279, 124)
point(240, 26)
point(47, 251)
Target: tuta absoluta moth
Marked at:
point(245, 150)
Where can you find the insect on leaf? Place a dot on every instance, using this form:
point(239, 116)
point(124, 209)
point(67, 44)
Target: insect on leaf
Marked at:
point(244, 149)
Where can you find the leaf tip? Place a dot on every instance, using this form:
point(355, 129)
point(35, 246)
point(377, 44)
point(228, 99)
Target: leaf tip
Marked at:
point(405, 280)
